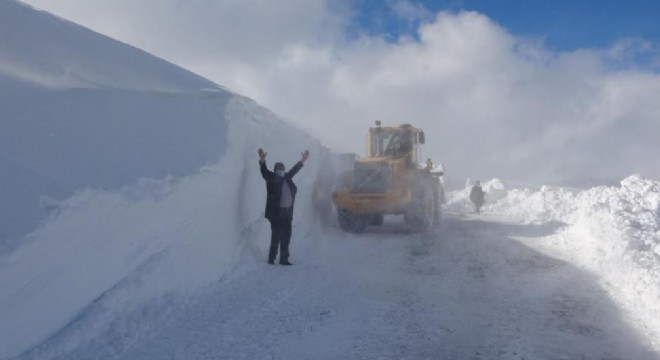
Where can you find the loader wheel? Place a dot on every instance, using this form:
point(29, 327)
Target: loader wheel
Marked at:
point(350, 221)
point(376, 219)
point(421, 213)
point(437, 216)
point(438, 196)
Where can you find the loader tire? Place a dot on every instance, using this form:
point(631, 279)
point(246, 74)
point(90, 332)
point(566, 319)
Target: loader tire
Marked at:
point(438, 198)
point(376, 219)
point(421, 213)
point(351, 222)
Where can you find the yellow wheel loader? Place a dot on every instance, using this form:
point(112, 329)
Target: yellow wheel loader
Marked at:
point(391, 179)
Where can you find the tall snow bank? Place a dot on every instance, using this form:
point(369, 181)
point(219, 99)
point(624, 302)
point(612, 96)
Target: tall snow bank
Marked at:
point(613, 231)
point(79, 109)
point(106, 252)
point(632, 209)
point(102, 144)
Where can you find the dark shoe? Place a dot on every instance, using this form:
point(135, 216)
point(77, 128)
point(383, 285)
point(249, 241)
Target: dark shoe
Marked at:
point(271, 262)
point(285, 262)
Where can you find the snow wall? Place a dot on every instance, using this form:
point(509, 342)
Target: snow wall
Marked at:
point(123, 248)
point(101, 146)
point(80, 109)
point(613, 231)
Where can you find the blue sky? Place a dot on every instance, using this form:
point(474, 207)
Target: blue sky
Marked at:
point(561, 24)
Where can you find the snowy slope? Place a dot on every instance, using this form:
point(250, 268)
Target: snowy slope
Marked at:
point(101, 145)
point(80, 109)
point(48, 51)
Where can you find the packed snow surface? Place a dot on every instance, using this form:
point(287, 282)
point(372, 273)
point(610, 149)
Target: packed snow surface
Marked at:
point(481, 288)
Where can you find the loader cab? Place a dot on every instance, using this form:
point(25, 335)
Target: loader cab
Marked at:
point(396, 142)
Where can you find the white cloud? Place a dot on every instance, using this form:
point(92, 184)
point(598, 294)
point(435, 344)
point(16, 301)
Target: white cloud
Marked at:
point(492, 104)
point(410, 11)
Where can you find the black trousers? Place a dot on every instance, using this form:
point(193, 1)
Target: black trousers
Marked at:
point(280, 227)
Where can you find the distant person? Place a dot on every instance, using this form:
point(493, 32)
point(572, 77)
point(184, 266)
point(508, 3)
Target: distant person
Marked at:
point(281, 195)
point(477, 196)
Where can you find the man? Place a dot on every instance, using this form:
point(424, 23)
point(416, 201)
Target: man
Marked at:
point(477, 196)
point(281, 195)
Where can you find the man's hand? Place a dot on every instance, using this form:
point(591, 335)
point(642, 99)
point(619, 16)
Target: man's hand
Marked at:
point(262, 155)
point(305, 156)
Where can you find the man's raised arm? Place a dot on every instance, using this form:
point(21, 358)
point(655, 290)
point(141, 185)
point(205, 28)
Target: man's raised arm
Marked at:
point(299, 164)
point(265, 173)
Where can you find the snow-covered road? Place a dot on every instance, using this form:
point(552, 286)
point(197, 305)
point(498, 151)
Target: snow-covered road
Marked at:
point(478, 288)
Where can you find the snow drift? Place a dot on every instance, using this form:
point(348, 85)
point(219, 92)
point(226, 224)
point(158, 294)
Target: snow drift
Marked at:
point(613, 231)
point(102, 146)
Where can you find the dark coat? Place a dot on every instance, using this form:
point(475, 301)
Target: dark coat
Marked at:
point(274, 189)
point(477, 195)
